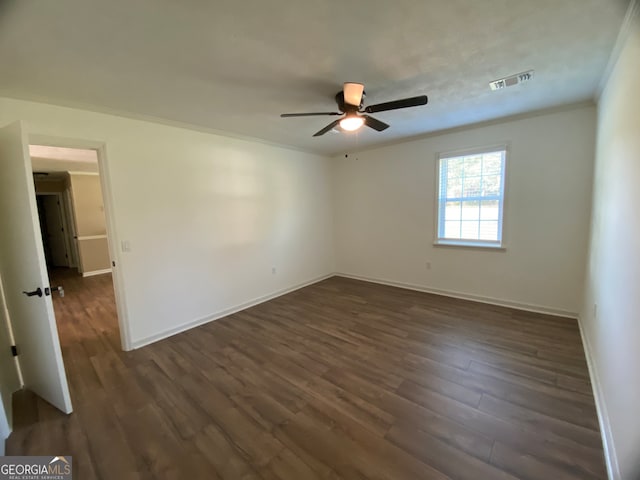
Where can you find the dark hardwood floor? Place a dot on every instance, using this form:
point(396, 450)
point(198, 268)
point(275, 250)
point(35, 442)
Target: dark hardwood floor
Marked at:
point(342, 379)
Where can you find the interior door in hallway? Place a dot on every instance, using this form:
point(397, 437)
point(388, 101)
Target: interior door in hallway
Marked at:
point(55, 231)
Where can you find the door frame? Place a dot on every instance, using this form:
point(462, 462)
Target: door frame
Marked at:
point(112, 236)
point(74, 259)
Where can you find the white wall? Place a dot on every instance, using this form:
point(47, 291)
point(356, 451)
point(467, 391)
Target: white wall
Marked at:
point(207, 216)
point(612, 330)
point(385, 216)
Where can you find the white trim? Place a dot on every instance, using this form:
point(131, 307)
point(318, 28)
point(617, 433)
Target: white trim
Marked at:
point(471, 126)
point(633, 11)
point(470, 244)
point(91, 237)
point(610, 456)
point(466, 296)
point(95, 174)
point(96, 272)
point(146, 119)
point(467, 151)
point(224, 313)
point(114, 252)
point(74, 259)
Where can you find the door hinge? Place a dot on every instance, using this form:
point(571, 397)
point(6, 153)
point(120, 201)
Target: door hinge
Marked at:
point(14, 350)
point(113, 264)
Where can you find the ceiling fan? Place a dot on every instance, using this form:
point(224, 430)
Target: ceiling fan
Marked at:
point(350, 103)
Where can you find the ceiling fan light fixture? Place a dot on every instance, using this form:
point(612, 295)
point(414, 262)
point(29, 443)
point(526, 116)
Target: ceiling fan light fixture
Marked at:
point(351, 123)
point(350, 106)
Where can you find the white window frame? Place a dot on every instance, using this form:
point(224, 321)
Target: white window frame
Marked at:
point(439, 217)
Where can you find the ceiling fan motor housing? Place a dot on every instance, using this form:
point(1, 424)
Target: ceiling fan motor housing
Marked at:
point(345, 107)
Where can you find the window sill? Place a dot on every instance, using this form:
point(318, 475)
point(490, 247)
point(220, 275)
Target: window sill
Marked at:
point(472, 245)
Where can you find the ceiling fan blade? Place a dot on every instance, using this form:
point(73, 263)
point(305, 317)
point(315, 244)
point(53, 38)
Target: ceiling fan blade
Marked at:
point(396, 104)
point(374, 123)
point(310, 114)
point(353, 93)
point(331, 126)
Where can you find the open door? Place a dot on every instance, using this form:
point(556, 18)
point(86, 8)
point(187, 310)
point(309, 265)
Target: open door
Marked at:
point(55, 233)
point(24, 274)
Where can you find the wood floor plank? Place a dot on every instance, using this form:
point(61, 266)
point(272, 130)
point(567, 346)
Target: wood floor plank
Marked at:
point(528, 467)
point(339, 380)
point(351, 451)
point(452, 462)
point(526, 416)
point(541, 441)
point(408, 413)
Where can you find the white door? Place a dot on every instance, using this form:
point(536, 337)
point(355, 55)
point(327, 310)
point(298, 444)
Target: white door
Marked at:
point(55, 231)
point(23, 269)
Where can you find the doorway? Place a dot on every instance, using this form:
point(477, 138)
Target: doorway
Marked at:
point(73, 225)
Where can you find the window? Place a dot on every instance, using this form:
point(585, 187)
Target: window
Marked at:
point(471, 197)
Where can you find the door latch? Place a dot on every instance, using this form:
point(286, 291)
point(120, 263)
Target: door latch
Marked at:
point(59, 289)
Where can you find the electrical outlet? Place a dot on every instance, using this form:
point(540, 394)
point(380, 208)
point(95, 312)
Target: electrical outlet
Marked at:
point(273, 270)
point(595, 311)
point(428, 265)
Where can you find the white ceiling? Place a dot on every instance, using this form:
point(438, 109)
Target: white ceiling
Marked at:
point(234, 65)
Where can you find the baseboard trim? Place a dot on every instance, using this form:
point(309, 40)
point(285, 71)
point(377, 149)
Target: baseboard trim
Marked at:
point(96, 272)
point(223, 313)
point(466, 296)
point(610, 456)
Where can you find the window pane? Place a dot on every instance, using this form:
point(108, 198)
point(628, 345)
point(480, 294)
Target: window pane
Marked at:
point(489, 210)
point(454, 187)
point(470, 230)
point(455, 167)
point(491, 185)
point(489, 230)
point(492, 164)
point(452, 211)
point(471, 187)
point(452, 229)
point(473, 166)
point(471, 211)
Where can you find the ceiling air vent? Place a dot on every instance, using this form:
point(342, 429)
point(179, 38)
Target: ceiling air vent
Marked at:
point(512, 80)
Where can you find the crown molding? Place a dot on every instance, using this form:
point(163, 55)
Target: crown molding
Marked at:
point(473, 126)
point(152, 119)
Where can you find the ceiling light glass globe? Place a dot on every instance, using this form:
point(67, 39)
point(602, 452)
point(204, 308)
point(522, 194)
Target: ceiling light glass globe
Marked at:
point(351, 123)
